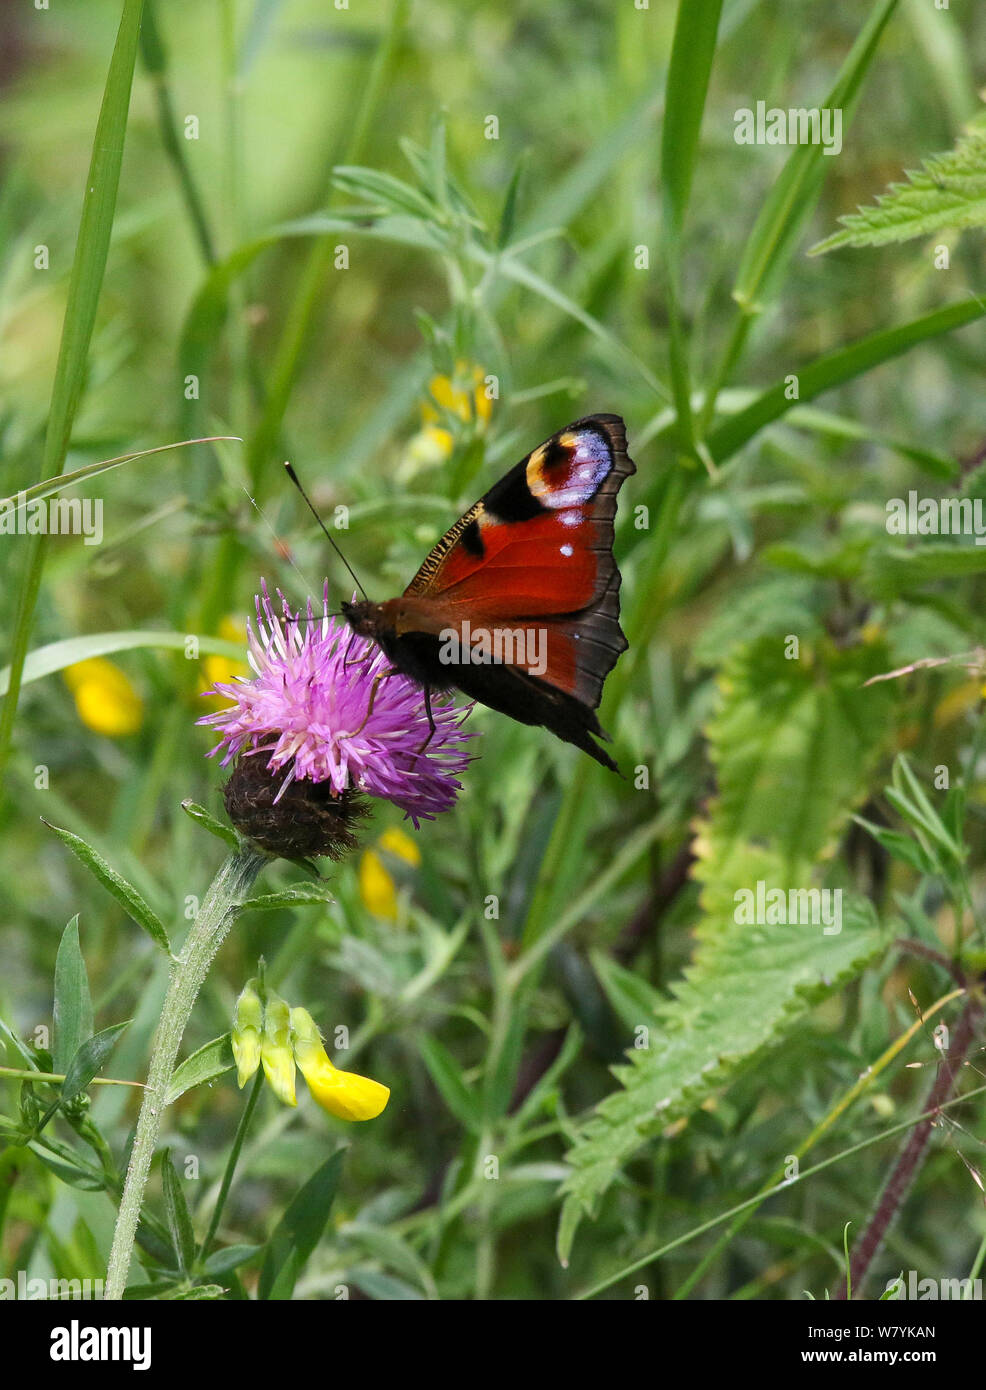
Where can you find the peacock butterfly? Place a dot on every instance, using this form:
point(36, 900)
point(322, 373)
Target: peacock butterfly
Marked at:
point(518, 604)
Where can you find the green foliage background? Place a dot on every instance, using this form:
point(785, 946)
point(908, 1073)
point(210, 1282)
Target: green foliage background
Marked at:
point(612, 249)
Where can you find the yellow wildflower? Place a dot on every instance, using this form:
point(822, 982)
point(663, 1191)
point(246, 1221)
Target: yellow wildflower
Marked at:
point(376, 887)
point(105, 700)
point(223, 668)
point(463, 396)
point(398, 842)
point(247, 1034)
point(341, 1093)
point(276, 1052)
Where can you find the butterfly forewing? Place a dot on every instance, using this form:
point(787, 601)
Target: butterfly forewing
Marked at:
point(539, 546)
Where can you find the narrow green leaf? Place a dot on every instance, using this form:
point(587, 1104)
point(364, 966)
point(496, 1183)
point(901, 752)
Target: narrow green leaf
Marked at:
point(392, 1251)
point(224, 1261)
point(73, 1004)
point(198, 813)
point(124, 892)
point(444, 1071)
point(53, 486)
point(504, 1078)
point(214, 1059)
point(301, 896)
point(85, 284)
point(299, 1231)
point(636, 1001)
point(89, 1059)
point(56, 656)
point(836, 368)
point(508, 216)
point(790, 202)
point(179, 1221)
point(901, 846)
point(382, 1287)
point(692, 52)
point(83, 1178)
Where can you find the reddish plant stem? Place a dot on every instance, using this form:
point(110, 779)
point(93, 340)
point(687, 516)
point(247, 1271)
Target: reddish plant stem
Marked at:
point(914, 1152)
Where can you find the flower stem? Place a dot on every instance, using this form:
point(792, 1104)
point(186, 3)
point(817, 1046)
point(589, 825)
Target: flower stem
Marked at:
point(234, 1158)
point(188, 971)
point(915, 1150)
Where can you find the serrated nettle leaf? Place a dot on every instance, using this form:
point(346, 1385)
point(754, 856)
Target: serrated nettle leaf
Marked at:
point(73, 1023)
point(793, 741)
point(205, 818)
point(299, 1231)
point(179, 1221)
point(948, 192)
point(212, 1060)
point(128, 897)
point(743, 993)
point(89, 1059)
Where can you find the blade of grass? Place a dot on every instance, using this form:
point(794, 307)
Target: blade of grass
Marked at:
point(295, 331)
point(85, 284)
point(155, 59)
point(758, 1198)
point(788, 206)
point(692, 52)
point(836, 368)
point(64, 480)
point(792, 198)
point(56, 656)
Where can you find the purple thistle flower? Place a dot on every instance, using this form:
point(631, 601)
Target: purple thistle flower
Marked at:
point(308, 710)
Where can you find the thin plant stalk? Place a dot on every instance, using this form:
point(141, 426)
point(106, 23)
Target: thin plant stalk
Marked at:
point(188, 972)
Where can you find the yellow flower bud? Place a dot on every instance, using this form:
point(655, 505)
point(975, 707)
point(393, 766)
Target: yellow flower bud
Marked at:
point(276, 1053)
point(398, 842)
point(224, 669)
point(376, 887)
point(105, 700)
point(341, 1093)
point(248, 1026)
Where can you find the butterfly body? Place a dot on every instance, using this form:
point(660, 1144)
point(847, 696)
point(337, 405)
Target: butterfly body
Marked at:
point(517, 605)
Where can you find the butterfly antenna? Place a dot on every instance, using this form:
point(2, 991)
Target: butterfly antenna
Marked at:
point(311, 507)
point(281, 546)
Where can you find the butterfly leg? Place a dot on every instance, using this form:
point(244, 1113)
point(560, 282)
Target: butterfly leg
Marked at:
point(431, 719)
point(377, 681)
